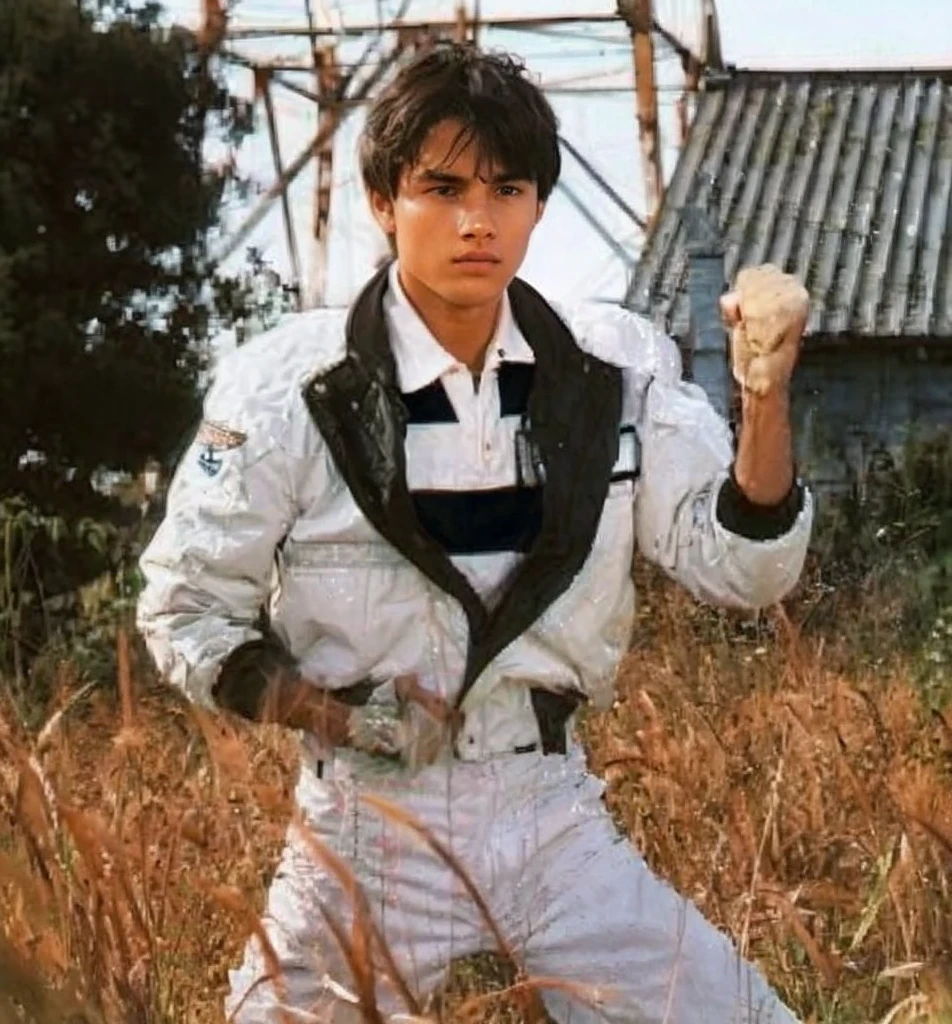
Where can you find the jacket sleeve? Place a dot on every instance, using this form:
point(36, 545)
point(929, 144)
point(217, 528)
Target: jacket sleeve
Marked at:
point(691, 518)
point(209, 566)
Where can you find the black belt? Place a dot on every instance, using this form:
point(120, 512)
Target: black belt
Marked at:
point(552, 711)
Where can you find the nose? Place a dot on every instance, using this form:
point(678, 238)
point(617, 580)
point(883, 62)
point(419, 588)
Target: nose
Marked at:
point(476, 223)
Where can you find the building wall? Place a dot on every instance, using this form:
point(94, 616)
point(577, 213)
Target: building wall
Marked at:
point(856, 398)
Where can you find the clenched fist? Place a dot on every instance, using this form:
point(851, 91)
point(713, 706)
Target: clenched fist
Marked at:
point(414, 730)
point(766, 313)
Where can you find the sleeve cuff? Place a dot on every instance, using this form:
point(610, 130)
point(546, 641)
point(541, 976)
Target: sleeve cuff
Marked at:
point(740, 516)
point(244, 676)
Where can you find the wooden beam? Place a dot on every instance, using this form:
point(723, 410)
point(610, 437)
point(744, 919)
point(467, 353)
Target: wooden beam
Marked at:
point(276, 67)
point(327, 87)
point(461, 31)
point(213, 27)
point(711, 56)
point(446, 27)
point(683, 51)
point(440, 25)
point(685, 103)
point(638, 15)
point(327, 78)
point(263, 86)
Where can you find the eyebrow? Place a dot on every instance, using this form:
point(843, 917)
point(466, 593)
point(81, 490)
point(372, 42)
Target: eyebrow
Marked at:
point(445, 178)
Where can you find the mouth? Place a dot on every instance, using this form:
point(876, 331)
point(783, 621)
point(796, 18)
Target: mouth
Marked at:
point(478, 259)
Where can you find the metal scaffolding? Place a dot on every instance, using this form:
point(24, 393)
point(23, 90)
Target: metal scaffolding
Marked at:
point(339, 88)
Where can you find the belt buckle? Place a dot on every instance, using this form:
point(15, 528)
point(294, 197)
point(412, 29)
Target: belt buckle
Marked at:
point(401, 734)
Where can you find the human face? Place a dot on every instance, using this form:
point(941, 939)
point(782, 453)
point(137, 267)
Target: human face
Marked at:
point(461, 229)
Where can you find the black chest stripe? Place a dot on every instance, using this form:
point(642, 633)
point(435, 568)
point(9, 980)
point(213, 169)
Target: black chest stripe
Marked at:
point(431, 404)
point(515, 383)
point(481, 522)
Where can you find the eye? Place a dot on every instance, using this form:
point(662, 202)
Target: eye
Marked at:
point(444, 190)
point(510, 190)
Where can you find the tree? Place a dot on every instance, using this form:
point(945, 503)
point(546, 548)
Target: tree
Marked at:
point(105, 207)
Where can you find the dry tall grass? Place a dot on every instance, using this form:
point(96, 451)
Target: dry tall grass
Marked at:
point(136, 842)
point(799, 794)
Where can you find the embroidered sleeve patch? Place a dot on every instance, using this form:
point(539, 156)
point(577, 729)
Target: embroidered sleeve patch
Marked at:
point(212, 439)
point(219, 438)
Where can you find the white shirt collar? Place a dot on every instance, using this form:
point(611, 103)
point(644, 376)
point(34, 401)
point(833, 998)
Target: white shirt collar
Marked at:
point(421, 359)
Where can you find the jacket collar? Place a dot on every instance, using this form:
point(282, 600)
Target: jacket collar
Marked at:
point(420, 359)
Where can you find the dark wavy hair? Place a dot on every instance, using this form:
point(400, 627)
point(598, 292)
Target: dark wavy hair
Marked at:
point(500, 110)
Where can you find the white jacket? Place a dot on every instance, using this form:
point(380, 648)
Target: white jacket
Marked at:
point(258, 515)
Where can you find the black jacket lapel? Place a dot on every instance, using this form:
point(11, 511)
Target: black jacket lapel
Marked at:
point(574, 418)
point(357, 407)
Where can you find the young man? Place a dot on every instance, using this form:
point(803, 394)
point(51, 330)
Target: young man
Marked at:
point(435, 502)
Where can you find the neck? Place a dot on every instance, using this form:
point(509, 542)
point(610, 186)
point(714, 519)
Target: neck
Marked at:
point(464, 331)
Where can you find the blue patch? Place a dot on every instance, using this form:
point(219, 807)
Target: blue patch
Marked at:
point(210, 461)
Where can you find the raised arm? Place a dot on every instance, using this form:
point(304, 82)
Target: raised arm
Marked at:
point(733, 527)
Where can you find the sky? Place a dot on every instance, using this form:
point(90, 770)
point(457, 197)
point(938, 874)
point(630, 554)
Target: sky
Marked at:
point(567, 259)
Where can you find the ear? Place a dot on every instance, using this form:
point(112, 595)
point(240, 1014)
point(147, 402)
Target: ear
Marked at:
point(539, 211)
point(382, 208)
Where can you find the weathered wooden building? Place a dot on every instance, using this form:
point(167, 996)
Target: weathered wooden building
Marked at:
point(844, 178)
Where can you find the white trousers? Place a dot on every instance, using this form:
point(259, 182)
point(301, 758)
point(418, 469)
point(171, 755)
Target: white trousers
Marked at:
point(571, 895)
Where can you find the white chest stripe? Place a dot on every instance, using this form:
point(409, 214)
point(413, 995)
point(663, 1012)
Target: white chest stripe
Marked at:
point(629, 455)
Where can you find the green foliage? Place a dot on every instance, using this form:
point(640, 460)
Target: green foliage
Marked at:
point(897, 528)
point(65, 585)
point(888, 544)
point(879, 576)
point(256, 299)
point(105, 206)
point(935, 661)
point(107, 300)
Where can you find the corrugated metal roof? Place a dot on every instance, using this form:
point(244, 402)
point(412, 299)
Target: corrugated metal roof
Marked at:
point(842, 177)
